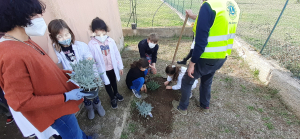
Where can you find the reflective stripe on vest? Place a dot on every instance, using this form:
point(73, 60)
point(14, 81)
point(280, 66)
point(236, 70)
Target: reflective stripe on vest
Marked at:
point(222, 33)
point(220, 38)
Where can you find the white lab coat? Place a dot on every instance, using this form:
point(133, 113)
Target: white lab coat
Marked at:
point(115, 58)
point(179, 80)
point(81, 51)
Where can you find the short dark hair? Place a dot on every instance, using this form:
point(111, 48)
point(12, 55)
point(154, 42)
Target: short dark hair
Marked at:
point(54, 27)
point(141, 63)
point(15, 13)
point(98, 24)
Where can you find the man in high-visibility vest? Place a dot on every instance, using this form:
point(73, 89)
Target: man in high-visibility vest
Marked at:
point(215, 32)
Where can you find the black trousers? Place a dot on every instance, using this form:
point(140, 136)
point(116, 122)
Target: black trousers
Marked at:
point(189, 55)
point(112, 88)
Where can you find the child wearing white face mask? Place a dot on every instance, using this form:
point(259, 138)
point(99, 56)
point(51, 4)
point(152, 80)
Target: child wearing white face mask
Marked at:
point(108, 59)
point(70, 51)
point(148, 49)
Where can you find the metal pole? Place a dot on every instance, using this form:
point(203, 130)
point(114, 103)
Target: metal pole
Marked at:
point(274, 26)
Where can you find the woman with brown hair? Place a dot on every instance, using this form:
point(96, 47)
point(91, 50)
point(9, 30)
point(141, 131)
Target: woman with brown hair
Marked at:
point(70, 51)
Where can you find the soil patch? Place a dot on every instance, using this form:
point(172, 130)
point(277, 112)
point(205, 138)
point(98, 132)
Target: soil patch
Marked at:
point(161, 99)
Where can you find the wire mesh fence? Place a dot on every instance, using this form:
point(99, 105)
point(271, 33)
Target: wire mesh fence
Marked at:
point(256, 22)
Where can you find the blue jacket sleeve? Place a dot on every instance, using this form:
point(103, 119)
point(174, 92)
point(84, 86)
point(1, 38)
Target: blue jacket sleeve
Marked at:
point(206, 18)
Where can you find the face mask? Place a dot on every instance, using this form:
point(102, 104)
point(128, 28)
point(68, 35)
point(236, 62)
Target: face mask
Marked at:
point(151, 45)
point(101, 38)
point(65, 42)
point(37, 28)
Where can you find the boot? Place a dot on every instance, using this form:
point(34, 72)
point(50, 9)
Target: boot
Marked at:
point(99, 109)
point(91, 113)
point(182, 62)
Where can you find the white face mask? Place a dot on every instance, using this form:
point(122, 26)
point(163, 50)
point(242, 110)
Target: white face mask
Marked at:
point(101, 38)
point(37, 28)
point(151, 45)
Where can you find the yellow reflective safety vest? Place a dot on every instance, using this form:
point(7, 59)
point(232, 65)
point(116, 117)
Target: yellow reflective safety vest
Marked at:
point(222, 33)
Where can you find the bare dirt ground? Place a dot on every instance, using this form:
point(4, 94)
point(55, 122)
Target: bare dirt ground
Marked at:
point(241, 106)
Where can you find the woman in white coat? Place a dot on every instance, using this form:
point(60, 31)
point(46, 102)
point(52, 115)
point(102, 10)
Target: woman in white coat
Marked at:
point(70, 51)
point(108, 59)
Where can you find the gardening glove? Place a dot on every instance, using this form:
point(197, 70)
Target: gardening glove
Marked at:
point(75, 94)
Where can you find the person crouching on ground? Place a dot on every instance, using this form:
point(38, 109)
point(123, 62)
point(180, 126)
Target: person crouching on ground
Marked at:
point(148, 49)
point(69, 51)
point(176, 73)
point(32, 82)
point(135, 79)
point(108, 59)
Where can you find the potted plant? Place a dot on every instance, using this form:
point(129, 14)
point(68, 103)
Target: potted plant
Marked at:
point(86, 76)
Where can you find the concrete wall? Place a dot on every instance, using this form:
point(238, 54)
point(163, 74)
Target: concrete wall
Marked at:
point(161, 31)
point(79, 14)
point(271, 74)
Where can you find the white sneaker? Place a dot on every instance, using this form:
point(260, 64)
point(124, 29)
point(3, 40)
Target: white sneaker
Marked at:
point(191, 95)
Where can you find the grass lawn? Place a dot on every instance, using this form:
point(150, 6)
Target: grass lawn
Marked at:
point(145, 11)
point(256, 22)
point(241, 106)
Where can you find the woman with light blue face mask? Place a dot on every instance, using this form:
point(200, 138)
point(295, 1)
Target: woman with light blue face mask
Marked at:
point(70, 51)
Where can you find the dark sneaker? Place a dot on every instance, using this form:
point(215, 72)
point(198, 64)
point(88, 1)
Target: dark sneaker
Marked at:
point(9, 120)
point(114, 103)
point(136, 93)
point(183, 62)
point(119, 97)
point(175, 106)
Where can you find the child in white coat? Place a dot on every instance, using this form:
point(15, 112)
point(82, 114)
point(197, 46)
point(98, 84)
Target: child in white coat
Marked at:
point(176, 73)
point(108, 59)
point(69, 51)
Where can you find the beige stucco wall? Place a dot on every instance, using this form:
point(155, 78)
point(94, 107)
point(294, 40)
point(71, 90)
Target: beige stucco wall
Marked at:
point(79, 14)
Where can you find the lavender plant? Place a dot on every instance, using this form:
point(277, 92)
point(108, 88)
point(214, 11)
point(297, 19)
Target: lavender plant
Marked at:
point(86, 75)
point(144, 108)
point(152, 85)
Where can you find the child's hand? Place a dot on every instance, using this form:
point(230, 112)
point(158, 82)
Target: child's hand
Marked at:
point(166, 83)
point(154, 71)
point(121, 72)
point(145, 88)
point(169, 87)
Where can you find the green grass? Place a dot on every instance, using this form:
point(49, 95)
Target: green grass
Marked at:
point(251, 108)
point(256, 22)
point(132, 127)
point(145, 10)
point(256, 73)
point(124, 135)
point(269, 125)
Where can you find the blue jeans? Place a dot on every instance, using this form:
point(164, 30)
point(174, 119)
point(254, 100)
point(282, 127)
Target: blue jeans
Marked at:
point(137, 84)
point(68, 128)
point(204, 69)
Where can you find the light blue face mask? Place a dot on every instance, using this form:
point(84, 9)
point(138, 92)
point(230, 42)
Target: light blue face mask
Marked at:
point(65, 42)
